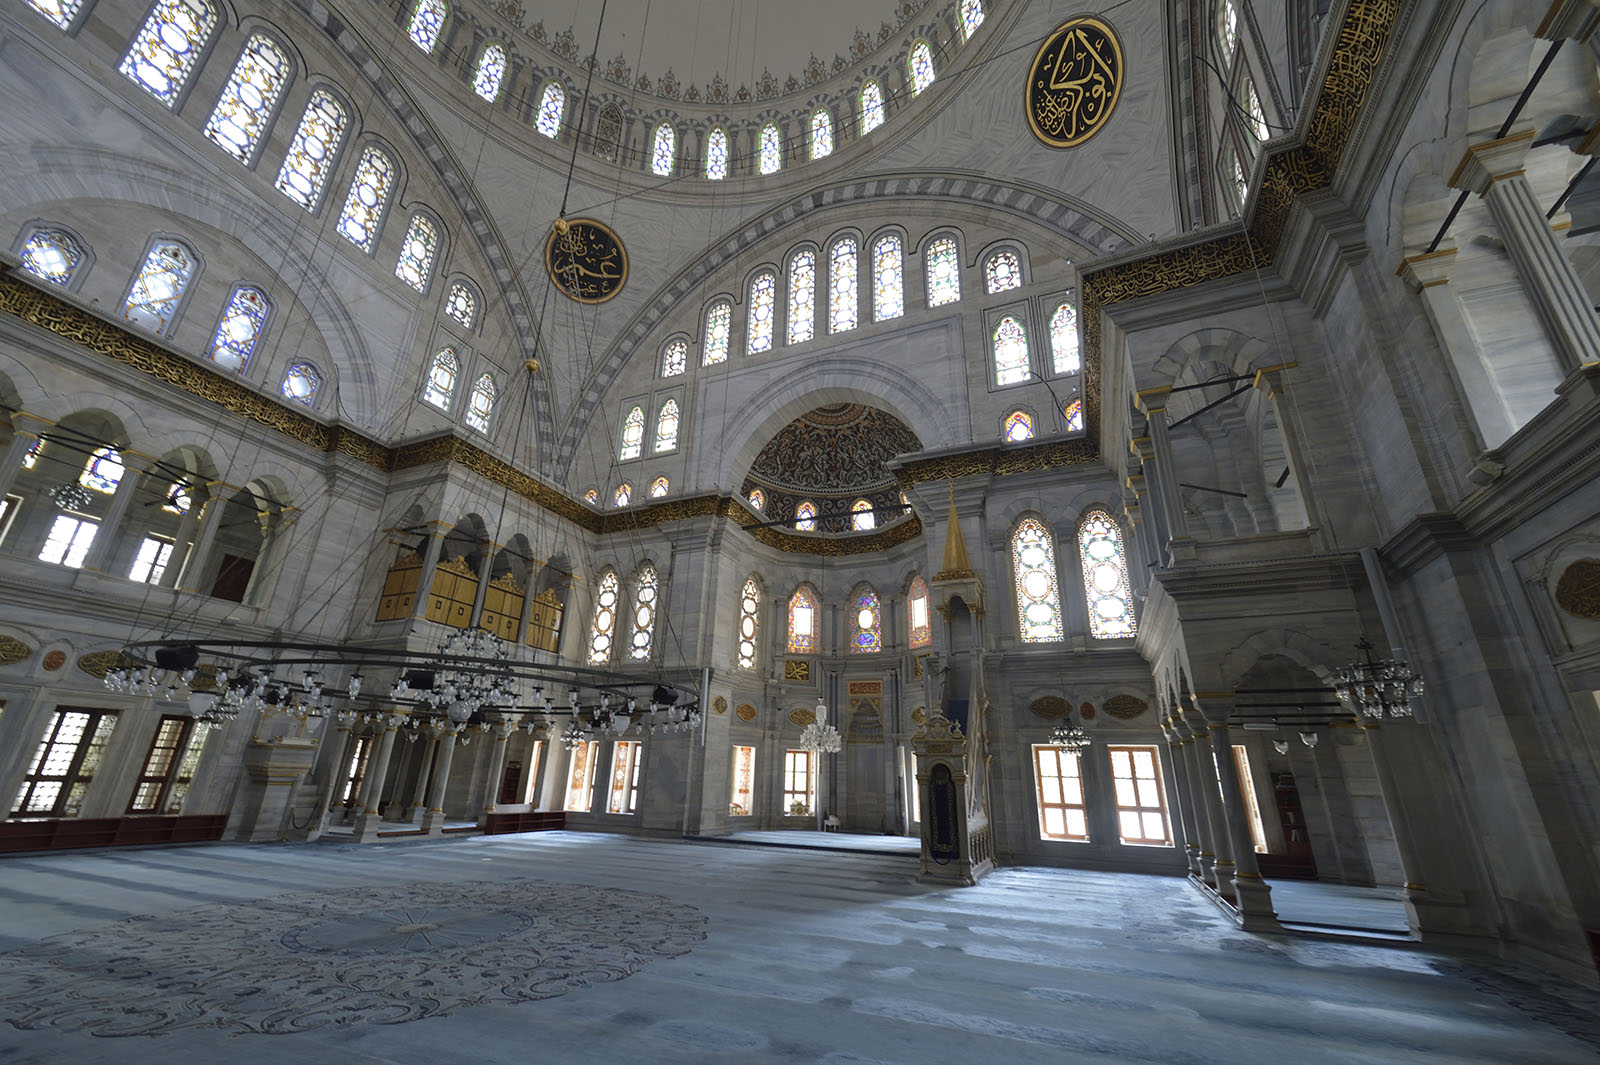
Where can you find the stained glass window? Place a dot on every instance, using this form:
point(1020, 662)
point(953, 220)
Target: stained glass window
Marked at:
point(919, 621)
point(646, 587)
point(104, 470)
point(771, 155)
point(821, 134)
point(1010, 352)
point(552, 103)
point(1241, 182)
point(61, 12)
point(426, 22)
point(944, 272)
point(1033, 566)
point(871, 107)
point(623, 495)
point(1228, 28)
point(363, 208)
point(591, 496)
point(802, 621)
point(1018, 426)
point(30, 458)
point(164, 50)
point(719, 319)
point(480, 404)
point(51, 254)
point(249, 98)
point(417, 252)
point(1105, 577)
point(240, 328)
point(1064, 339)
point(805, 516)
point(888, 277)
point(749, 605)
point(602, 629)
point(305, 168)
point(763, 294)
point(159, 288)
point(861, 516)
point(921, 63)
point(1073, 413)
point(758, 499)
point(300, 383)
point(659, 486)
point(866, 622)
point(1258, 118)
point(441, 378)
point(1002, 272)
point(461, 305)
point(802, 296)
point(491, 72)
point(971, 17)
point(717, 155)
point(674, 358)
point(842, 282)
point(179, 499)
point(667, 427)
point(632, 434)
point(662, 149)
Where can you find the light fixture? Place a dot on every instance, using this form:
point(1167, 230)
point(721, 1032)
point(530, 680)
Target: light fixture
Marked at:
point(1069, 735)
point(819, 736)
point(1379, 688)
point(1307, 737)
point(1281, 746)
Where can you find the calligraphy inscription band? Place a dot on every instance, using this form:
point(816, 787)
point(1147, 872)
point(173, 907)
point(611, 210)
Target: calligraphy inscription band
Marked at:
point(1074, 82)
point(587, 262)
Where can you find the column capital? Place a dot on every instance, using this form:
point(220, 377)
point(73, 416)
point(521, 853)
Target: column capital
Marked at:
point(1491, 161)
point(1427, 270)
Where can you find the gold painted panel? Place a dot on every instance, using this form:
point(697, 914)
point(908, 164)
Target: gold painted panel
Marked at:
point(796, 669)
point(1074, 82)
point(745, 712)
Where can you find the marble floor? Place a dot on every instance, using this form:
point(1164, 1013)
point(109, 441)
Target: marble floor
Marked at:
point(577, 947)
point(875, 843)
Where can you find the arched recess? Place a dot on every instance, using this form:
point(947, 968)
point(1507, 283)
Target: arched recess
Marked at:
point(506, 596)
point(453, 591)
point(547, 614)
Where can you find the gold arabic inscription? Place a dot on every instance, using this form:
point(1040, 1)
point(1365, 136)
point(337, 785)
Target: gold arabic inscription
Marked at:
point(586, 260)
point(1074, 82)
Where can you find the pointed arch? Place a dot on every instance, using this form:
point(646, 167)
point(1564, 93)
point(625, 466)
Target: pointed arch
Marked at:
point(552, 106)
point(667, 422)
point(646, 595)
point(1033, 569)
point(441, 382)
point(491, 72)
point(250, 98)
point(919, 621)
point(1105, 577)
point(427, 20)
point(632, 445)
point(749, 618)
point(805, 621)
point(164, 52)
point(480, 404)
point(244, 319)
point(603, 624)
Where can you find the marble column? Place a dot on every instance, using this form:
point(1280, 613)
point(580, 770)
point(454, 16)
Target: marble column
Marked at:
point(1416, 888)
point(330, 781)
point(430, 562)
point(433, 818)
point(11, 459)
point(497, 764)
point(366, 828)
point(99, 553)
point(1179, 545)
point(419, 792)
point(210, 521)
point(1252, 895)
point(1211, 799)
point(1184, 797)
point(485, 567)
point(184, 545)
point(1160, 533)
point(1207, 814)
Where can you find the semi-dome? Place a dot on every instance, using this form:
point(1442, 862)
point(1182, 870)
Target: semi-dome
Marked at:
point(832, 457)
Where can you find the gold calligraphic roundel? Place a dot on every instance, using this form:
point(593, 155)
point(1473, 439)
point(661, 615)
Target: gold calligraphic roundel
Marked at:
point(1074, 82)
point(1578, 590)
point(586, 260)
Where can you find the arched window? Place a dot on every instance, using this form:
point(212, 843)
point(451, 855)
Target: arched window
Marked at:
point(758, 499)
point(1064, 339)
point(971, 18)
point(427, 19)
point(749, 606)
point(178, 499)
point(646, 588)
point(164, 50)
point(866, 622)
point(1010, 352)
point(805, 516)
point(674, 358)
point(821, 133)
point(662, 150)
point(461, 305)
point(842, 271)
point(159, 286)
point(369, 192)
point(1018, 426)
point(763, 294)
point(632, 435)
point(1073, 414)
point(249, 98)
point(771, 154)
point(717, 155)
point(919, 622)
point(623, 495)
point(305, 169)
point(719, 325)
point(862, 518)
point(441, 378)
point(300, 383)
point(920, 62)
point(943, 270)
point(888, 279)
point(591, 496)
point(51, 254)
point(1002, 272)
point(240, 328)
point(602, 630)
point(1105, 577)
point(803, 621)
point(104, 470)
point(491, 72)
point(802, 296)
point(552, 104)
point(608, 132)
point(659, 486)
point(480, 404)
point(417, 252)
point(1252, 104)
point(61, 12)
point(667, 427)
point(1241, 181)
point(1227, 30)
point(871, 107)
point(1033, 566)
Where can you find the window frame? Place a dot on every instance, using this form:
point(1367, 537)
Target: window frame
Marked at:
point(538, 108)
point(591, 755)
point(319, 379)
point(750, 592)
point(189, 733)
point(79, 269)
point(1066, 808)
point(1017, 593)
point(483, 56)
point(733, 781)
point(269, 124)
point(261, 331)
point(74, 769)
point(191, 78)
point(631, 754)
point(1162, 808)
point(992, 319)
point(809, 762)
point(438, 256)
point(181, 304)
point(870, 257)
point(336, 151)
point(391, 196)
point(923, 249)
point(473, 291)
point(661, 357)
point(73, 24)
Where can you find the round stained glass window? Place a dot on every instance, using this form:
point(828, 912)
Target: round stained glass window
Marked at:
point(864, 617)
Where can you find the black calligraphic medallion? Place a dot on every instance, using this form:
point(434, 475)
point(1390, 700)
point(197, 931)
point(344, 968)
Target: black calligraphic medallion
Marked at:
point(586, 260)
point(1074, 82)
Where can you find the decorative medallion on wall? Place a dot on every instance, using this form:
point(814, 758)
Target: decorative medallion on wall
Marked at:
point(746, 712)
point(54, 661)
point(720, 705)
point(918, 716)
point(1050, 707)
point(1086, 711)
point(1578, 590)
point(13, 650)
point(802, 717)
point(1074, 82)
point(1125, 707)
point(796, 669)
point(99, 663)
point(586, 260)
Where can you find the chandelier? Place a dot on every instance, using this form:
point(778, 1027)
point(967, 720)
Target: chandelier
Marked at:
point(1377, 687)
point(1069, 735)
point(819, 736)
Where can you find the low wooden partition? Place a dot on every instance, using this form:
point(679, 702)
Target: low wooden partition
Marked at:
point(65, 833)
point(534, 821)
